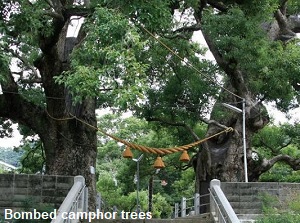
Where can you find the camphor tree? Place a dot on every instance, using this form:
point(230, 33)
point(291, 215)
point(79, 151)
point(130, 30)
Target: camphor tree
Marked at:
point(139, 55)
point(255, 45)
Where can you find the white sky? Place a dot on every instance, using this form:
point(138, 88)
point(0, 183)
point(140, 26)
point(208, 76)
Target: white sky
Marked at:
point(13, 141)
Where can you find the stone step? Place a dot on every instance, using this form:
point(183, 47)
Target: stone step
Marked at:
point(244, 198)
point(247, 211)
point(246, 205)
point(247, 221)
point(249, 218)
point(255, 193)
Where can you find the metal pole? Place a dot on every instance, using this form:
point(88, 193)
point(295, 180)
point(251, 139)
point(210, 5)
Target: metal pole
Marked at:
point(138, 181)
point(138, 186)
point(150, 191)
point(183, 207)
point(197, 203)
point(244, 141)
point(176, 210)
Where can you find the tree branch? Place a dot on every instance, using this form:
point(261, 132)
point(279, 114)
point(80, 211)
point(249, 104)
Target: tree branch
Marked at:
point(54, 15)
point(212, 122)
point(218, 5)
point(283, 6)
point(178, 124)
point(13, 106)
point(177, 35)
point(32, 81)
point(285, 33)
point(266, 165)
point(49, 3)
point(274, 151)
point(24, 61)
point(214, 50)
point(192, 28)
point(292, 162)
point(78, 11)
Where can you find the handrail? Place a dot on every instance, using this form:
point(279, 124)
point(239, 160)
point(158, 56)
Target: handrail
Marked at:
point(220, 206)
point(194, 206)
point(75, 201)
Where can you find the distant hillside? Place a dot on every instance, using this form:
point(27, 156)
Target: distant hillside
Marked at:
point(10, 156)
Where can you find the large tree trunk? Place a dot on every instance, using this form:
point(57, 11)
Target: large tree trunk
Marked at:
point(71, 147)
point(222, 157)
point(67, 131)
point(70, 141)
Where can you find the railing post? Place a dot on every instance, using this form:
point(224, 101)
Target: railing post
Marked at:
point(221, 204)
point(86, 199)
point(81, 201)
point(98, 202)
point(213, 183)
point(176, 210)
point(183, 207)
point(197, 203)
point(75, 201)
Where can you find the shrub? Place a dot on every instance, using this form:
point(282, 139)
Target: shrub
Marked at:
point(278, 211)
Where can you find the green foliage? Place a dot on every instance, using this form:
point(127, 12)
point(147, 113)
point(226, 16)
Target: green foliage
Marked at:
point(2, 170)
point(116, 174)
point(233, 32)
point(112, 195)
point(27, 205)
point(122, 65)
point(177, 92)
point(280, 211)
point(108, 59)
point(276, 140)
point(35, 95)
point(26, 17)
point(293, 6)
point(161, 207)
point(4, 64)
point(185, 186)
point(293, 131)
point(269, 203)
point(239, 36)
point(271, 140)
point(6, 128)
point(154, 15)
point(288, 218)
point(33, 158)
point(281, 172)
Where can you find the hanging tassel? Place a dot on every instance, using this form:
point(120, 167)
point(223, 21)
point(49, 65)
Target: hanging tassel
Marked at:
point(184, 156)
point(127, 153)
point(158, 164)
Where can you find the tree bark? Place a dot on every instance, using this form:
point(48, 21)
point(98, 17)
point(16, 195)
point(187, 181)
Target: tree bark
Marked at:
point(70, 145)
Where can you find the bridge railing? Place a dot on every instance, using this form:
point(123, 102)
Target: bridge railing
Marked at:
point(220, 207)
point(76, 201)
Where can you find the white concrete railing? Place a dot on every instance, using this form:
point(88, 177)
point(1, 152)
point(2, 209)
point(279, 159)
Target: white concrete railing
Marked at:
point(220, 207)
point(76, 201)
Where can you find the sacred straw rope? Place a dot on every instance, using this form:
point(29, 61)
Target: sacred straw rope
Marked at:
point(159, 151)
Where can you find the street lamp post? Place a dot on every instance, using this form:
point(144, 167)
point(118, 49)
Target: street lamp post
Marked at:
point(150, 190)
point(138, 181)
point(243, 111)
